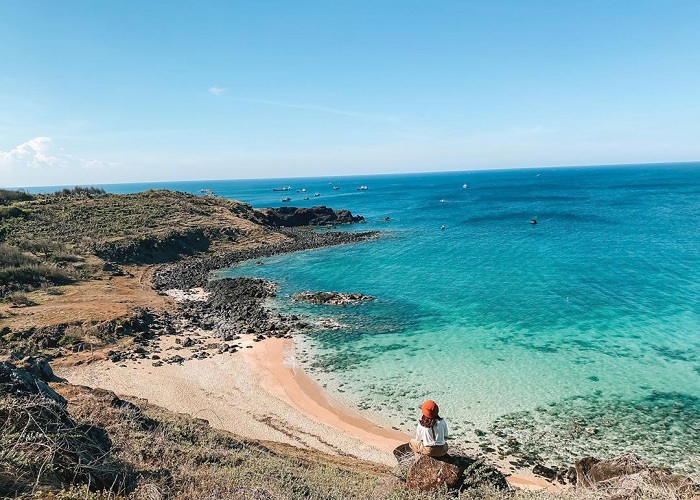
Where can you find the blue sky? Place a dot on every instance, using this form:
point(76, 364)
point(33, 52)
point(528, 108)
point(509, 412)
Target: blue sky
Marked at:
point(98, 91)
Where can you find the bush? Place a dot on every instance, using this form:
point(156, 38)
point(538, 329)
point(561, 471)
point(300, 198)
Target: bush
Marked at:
point(13, 257)
point(20, 299)
point(9, 212)
point(79, 191)
point(40, 246)
point(8, 196)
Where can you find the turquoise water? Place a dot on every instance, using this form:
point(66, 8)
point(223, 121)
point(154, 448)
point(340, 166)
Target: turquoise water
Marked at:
point(577, 335)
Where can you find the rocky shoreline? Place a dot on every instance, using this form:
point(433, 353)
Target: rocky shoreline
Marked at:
point(235, 306)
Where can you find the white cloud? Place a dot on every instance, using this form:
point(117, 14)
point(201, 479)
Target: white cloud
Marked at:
point(34, 153)
point(41, 153)
point(216, 90)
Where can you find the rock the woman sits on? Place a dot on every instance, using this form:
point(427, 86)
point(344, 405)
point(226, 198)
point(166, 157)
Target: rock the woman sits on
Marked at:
point(430, 432)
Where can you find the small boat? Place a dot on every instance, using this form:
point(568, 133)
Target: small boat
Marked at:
point(533, 221)
point(362, 188)
point(335, 188)
point(306, 198)
point(302, 190)
point(442, 227)
point(282, 188)
point(285, 199)
point(317, 194)
point(465, 185)
point(385, 219)
point(442, 200)
point(207, 192)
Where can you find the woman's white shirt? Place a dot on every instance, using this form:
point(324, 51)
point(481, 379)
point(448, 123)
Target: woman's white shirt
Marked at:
point(434, 436)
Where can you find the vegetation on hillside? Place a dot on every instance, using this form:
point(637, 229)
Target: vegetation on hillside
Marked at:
point(45, 238)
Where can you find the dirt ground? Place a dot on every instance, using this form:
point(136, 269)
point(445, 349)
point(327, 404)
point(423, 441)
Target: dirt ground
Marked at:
point(103, 299)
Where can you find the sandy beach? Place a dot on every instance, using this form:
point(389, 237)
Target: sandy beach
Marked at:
point(253, 393)
point(257, 393)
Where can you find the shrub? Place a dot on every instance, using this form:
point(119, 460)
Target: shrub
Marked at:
point(13, 257)
point(20, 299)
point(8, 196)
point(9, 212)
point(79, 191)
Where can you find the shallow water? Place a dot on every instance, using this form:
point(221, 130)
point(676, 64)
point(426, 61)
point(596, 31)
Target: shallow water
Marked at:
point(576, 335)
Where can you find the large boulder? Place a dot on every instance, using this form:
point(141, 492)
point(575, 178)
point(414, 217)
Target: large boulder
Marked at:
point(428, 474)
point(455, 472)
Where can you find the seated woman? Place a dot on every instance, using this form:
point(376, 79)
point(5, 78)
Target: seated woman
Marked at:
point(430, 432)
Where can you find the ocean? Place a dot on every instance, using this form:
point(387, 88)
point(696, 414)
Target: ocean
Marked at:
point(578, 335)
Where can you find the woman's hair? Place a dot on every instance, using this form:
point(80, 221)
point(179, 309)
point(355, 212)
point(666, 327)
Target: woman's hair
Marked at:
point(429, 422)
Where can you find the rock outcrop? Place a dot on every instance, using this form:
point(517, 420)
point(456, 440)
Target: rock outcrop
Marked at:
point(332, 298)
point(455, 472)
point(314, 216)
point(627, 476)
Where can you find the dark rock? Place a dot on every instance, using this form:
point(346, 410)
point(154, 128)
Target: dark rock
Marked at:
point(544, 471)
point(332, 298)
point(22, 383)
point(39, 367)
point(314, 216)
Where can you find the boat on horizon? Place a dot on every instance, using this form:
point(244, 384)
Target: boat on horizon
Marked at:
point(282, 188)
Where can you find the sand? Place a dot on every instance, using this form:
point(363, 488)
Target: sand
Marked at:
point(257, 393)
point(250, 393)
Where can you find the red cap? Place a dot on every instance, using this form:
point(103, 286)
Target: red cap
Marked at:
point(430, 409)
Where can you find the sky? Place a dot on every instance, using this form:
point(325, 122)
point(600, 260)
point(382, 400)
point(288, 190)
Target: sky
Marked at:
point(101, 92)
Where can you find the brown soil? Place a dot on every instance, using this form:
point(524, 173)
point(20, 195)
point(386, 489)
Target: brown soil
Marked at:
point(103, 299)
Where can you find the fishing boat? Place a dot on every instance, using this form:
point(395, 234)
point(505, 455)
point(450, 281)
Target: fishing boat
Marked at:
point(285, 199)
point(362, 188)
point(282, 188)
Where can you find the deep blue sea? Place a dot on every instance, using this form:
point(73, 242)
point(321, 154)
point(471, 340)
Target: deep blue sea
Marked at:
point(576, 335)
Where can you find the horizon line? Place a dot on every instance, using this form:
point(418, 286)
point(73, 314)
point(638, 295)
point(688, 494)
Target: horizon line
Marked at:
point(379, 174)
